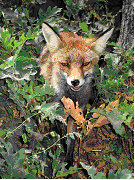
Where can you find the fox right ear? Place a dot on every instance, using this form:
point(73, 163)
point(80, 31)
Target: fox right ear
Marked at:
point(100, 43)
point(52, 39)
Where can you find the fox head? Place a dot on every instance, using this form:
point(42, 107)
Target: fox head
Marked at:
point(71, 55)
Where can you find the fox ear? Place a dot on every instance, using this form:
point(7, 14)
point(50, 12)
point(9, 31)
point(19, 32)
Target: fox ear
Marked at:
point(52, 39)
point(100, 43)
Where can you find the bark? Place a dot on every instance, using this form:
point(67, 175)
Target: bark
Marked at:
point(127, 25)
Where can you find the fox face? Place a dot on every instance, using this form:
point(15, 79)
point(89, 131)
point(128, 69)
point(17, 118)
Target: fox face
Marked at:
point(77, 66)
point(68, 61)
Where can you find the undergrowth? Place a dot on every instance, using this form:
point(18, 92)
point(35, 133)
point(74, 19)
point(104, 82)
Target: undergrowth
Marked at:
point(29, 145)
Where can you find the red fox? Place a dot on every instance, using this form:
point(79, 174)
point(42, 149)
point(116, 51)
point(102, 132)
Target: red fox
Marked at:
point(68, 60)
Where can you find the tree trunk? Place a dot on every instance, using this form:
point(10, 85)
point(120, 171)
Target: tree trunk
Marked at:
point(127, 25)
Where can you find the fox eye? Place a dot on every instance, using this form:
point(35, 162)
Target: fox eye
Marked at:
point(86, 63)
point(65, 64)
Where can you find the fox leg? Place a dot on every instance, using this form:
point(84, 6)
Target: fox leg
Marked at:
point(70, 142)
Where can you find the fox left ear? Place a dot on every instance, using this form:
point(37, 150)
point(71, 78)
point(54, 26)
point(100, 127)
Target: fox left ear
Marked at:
point(100, 43)
point(52, 39)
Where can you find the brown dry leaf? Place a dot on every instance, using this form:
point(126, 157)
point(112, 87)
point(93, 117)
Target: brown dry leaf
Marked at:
point(124, 96)
point(68, 105)
point(112, 104)
point(120, 96)
point(108, 108)
point(89, 128)
point(130, 98)
point(102, 120)
point(16, 113)
point(95, 115)
point(76, 113)
point(102, 106)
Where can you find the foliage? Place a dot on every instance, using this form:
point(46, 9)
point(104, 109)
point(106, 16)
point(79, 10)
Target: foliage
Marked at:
point(120, 174)
point(30, 147)
point(12, 163)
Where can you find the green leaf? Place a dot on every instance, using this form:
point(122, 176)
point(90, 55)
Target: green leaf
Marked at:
point(99, 176)
point(90, 169)
point(58, 151)
point(2, 133)
point(24, 138)
point(94, 13)
point(27, 12)
point(10, 44)
point(112, 44)
point(21, 153)
point(9, 146)
point(111, 174)
point(56, 165)
point(49, 90)
point(34, 34)
point(51, 110)
point(22, 38)
point(114, 160)
point(17, 44)
point(4, 34)
point(64, 173)
point(69, 2)
point(8, 174)
point(128, 121)
point(120, 174)
point(125, 116)
point(28, 35)
point(84, 26)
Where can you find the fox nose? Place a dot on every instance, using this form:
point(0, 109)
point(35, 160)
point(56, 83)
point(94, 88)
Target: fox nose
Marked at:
point(75, 82)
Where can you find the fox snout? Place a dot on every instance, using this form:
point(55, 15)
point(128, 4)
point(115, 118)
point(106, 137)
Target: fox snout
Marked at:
point(75, 84)
point(74, 77)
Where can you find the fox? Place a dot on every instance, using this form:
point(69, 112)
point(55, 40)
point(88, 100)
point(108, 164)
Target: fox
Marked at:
point(68, 62)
